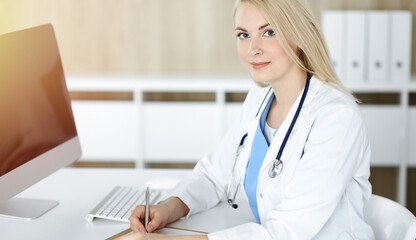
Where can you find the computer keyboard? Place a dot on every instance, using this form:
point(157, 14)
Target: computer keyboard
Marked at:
point(119, 203)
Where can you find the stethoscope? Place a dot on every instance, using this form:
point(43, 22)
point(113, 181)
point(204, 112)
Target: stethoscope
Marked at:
point(277, 165)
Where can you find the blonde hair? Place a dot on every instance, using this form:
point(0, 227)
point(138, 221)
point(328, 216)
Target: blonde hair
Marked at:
point(290, 19)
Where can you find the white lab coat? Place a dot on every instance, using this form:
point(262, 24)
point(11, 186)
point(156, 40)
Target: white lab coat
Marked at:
point(323, 186)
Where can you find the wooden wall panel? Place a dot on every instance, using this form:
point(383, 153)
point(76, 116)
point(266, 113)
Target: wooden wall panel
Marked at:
point(411, 193)
point(384, 181)
point(152, 36)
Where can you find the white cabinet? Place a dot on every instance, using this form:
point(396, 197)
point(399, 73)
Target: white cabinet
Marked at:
point(179, 131)
point(143, 131)
point(231, 114)
point(108, 130)
point(382, 124)
point(150, 131)
point(412, 136)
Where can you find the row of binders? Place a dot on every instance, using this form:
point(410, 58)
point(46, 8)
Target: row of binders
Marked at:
point(369, 47)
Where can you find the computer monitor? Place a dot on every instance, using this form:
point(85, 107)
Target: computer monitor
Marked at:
point(37, 129)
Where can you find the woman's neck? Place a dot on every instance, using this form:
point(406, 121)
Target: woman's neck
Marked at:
point(286, 90)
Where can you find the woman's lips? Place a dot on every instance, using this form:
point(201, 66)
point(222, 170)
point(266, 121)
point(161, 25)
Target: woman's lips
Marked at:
point(259, 65)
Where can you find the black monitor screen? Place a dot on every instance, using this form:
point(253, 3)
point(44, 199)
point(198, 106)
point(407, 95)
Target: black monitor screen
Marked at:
point(35, 110)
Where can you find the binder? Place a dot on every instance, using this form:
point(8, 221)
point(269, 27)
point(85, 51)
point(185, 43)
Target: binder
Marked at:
point(356, 22)
point(400, 65)
point(378, 46)
point(333, 26)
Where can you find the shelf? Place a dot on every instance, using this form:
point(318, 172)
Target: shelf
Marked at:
point(376, 88)
point(230, 83)
point(160, 83)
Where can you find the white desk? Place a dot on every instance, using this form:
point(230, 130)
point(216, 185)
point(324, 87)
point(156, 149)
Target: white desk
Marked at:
point(79, 190)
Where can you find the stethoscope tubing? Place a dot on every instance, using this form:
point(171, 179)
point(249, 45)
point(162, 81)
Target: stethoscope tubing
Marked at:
point(239, 149)
point(295, 118)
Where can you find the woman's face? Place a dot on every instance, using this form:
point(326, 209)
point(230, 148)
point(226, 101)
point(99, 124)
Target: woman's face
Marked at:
point(258, 46)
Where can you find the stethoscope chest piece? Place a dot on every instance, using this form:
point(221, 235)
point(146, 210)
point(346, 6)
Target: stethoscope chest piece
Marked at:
point(276, 168)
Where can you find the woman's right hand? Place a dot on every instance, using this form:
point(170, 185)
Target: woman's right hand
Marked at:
point(160, 215)
point(158, 218)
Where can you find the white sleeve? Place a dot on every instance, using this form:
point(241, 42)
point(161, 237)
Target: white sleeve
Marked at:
point(207, 183)
point(336, 146)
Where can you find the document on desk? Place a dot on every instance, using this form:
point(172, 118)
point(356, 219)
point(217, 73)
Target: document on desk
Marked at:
point(215, 219)
point(180, 231)
point(165, 231)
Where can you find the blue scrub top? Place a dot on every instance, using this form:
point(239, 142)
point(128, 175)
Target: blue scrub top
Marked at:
point(257, 155)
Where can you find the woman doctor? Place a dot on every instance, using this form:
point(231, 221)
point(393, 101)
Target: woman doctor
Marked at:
point(299, 150)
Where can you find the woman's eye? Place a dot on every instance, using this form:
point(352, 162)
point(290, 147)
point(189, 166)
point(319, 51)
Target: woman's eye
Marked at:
point(242, 35)
point(269, 33)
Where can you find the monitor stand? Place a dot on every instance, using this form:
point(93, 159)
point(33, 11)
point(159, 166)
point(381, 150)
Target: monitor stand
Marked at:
point(26, 208)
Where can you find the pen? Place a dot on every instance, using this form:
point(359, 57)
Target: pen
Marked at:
point(146, 220)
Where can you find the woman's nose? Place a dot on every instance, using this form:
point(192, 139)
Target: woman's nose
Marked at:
point(255, 47)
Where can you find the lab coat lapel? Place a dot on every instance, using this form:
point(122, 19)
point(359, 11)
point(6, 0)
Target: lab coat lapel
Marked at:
point(252, 127)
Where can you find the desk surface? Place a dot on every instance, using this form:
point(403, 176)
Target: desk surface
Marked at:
point(80, 190)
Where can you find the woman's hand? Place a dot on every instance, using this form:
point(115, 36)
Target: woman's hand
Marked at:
point(160, 215)
point(154, 236)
